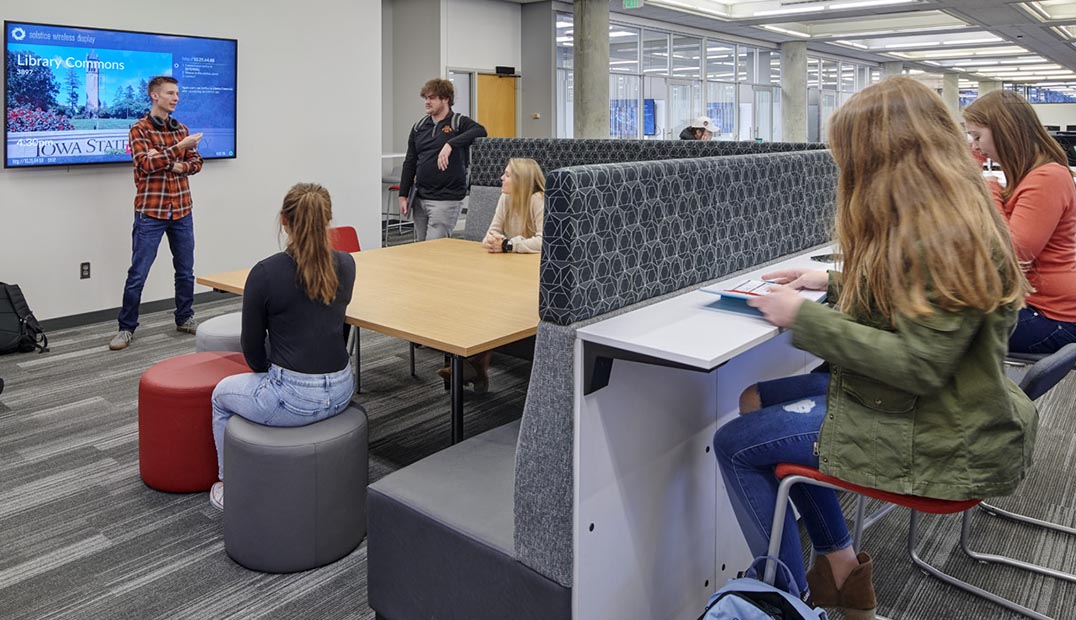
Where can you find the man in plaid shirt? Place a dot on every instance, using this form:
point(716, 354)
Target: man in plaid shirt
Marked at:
point(164, 155)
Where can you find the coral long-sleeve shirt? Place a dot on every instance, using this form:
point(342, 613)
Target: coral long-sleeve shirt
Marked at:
point(1041, 213)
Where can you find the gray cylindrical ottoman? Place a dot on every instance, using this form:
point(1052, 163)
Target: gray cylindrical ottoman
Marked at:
point(220, 333)
point(295, 498)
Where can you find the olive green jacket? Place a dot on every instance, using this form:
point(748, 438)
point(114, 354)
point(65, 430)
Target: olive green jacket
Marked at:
point(922, 409)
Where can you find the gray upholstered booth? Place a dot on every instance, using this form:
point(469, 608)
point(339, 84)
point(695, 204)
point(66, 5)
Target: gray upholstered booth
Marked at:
point(616, 237)
point(489, 156)
point(295, 498)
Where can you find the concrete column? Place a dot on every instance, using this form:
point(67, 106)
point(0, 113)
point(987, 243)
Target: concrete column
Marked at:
point(892, 68)
point(591, 68)
point(987, 86)
point(794, 91)
point(951, 92)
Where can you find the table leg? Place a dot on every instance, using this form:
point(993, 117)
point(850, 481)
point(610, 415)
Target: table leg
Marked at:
point(358, 360)
point(457, 398)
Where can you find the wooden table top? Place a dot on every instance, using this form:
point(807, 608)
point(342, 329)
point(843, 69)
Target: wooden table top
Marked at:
point(448, 294)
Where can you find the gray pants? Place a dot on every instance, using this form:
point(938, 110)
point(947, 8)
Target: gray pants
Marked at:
point(435, 219)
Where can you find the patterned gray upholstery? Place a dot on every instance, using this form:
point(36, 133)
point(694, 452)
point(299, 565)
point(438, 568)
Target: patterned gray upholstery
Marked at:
point(489, 156)
point(618, 237)
point(616, 234)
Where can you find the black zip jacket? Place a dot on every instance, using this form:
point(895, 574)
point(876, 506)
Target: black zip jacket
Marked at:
point(420, 164)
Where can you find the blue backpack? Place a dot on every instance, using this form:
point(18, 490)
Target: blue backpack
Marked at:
point(748, 598)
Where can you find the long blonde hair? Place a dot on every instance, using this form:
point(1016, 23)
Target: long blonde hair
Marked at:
point(915, 220)
point(307, 212)
point(527, 180)
point(1020, 140)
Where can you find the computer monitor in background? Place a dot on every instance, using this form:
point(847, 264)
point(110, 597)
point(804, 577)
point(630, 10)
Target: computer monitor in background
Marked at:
point(1067, 142)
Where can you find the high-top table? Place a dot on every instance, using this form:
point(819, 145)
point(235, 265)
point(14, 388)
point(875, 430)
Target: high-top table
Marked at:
point(448, 294)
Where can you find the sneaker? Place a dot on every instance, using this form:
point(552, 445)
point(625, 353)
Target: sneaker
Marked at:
point(121, 340)
point(216, 495)
point(190, 326)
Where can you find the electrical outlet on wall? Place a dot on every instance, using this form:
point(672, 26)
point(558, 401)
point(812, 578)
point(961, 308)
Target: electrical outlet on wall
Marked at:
point(84, 270)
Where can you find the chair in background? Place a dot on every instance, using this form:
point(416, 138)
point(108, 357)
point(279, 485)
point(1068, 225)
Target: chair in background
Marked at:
point(1042, 377)
point(1033, 384)
point(345, 239)
point(481, 207)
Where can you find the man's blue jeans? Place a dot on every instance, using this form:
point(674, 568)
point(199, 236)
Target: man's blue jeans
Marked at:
point(750, 447)
point(145, 239)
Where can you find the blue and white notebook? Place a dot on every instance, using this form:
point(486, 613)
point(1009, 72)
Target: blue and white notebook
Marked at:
point(734, 298)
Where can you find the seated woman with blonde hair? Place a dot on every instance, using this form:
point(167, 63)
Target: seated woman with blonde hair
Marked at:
point(916, 401)
point(516, 229)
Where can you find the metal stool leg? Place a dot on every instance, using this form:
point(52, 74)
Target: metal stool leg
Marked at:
point(913, 524)
point(413, 360)
point(1000, 512)
point(965, 535)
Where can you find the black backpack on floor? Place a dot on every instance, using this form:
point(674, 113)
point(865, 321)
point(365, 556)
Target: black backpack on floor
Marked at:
point(19, 329)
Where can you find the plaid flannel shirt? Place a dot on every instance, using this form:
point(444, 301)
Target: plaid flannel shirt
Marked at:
point(160, 192)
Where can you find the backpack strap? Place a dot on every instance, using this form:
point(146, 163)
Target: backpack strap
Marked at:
point(456, 121)
point(420, 121)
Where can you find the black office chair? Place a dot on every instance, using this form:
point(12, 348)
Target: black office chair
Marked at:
point(1046, 371)
point(1, 386)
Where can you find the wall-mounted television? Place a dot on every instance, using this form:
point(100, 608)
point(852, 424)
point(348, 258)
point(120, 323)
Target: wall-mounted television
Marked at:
point(71, 94)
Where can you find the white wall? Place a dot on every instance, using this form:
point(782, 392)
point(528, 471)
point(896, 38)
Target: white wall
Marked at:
point(1060, 114)
point(482, 34)
point(303, 115)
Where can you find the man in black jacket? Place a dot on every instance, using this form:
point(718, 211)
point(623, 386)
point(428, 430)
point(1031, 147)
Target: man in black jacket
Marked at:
point(436, 163)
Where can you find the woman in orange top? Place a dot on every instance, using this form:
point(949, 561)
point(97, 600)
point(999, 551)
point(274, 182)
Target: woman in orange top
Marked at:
point(1039, 203)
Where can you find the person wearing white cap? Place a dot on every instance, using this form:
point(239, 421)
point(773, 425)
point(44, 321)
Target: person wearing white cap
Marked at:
point(702, 128)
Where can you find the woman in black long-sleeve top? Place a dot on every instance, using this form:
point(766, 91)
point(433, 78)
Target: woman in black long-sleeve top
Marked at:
point(298, 297)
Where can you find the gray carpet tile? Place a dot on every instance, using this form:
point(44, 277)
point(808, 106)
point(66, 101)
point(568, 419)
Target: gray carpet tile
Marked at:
point(82, 537)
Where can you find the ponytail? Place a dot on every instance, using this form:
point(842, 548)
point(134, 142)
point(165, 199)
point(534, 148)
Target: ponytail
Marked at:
point(308, 210)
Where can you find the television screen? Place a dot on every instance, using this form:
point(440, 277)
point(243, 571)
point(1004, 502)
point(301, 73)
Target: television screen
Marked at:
point(649, 127)
point(71, 94)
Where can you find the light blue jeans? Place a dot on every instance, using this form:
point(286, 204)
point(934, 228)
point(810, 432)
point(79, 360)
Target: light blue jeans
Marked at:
point(749, 448)
point(279, 397)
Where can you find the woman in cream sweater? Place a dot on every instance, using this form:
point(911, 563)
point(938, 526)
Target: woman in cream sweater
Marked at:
point(516, 228)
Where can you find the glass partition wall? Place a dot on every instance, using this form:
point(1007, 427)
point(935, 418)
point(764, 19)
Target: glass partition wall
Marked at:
point(660, 81)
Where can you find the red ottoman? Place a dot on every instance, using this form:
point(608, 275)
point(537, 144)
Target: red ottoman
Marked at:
point(175, 430)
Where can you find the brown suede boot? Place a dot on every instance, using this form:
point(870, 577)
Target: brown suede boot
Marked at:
point(856, 597)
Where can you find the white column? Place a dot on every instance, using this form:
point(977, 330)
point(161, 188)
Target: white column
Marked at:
point(794, 91)
point(591, 67)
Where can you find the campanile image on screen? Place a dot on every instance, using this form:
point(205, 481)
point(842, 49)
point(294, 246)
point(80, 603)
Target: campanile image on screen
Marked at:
point(71, 94)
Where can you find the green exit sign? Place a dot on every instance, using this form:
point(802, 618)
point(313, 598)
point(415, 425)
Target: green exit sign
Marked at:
point(633, 4)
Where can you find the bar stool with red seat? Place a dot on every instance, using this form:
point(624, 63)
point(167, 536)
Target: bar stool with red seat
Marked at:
point(175, 433)
point(1042, 377)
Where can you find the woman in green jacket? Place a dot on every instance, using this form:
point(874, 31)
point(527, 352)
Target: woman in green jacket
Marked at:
point(917, 401)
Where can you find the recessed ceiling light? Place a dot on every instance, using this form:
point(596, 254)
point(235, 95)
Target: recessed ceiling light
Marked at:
point(787, 31)
point(789, 11)
point(893, 46)
point(862, 3)
point(972, 41)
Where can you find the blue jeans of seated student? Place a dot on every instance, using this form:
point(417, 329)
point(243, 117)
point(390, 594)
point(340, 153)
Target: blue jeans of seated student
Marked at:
point(749, 448)
point(145, 239)
point(1036, 333)
point(279, 397)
